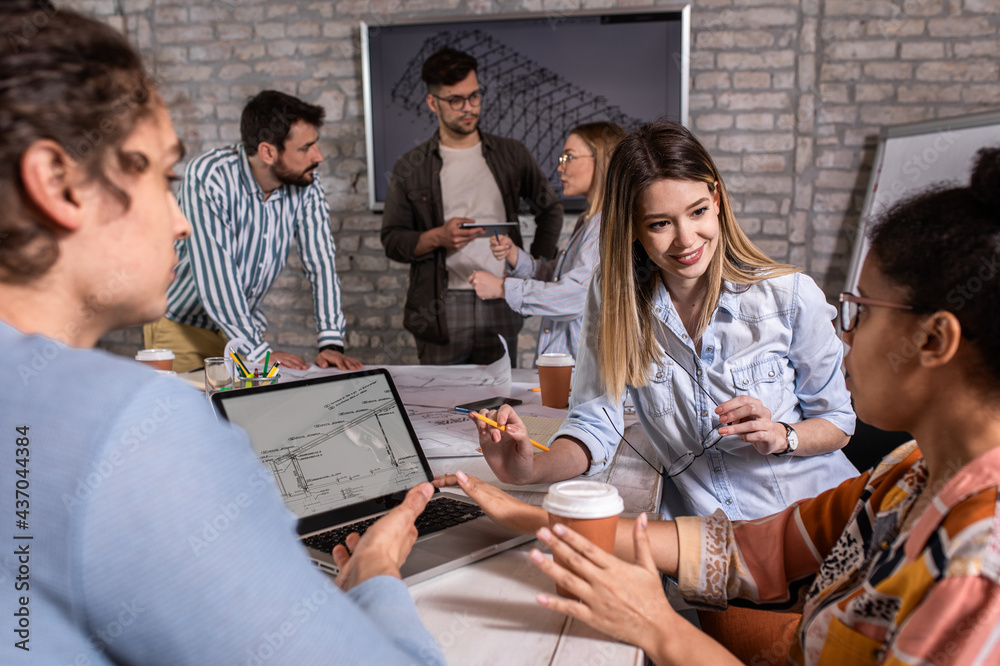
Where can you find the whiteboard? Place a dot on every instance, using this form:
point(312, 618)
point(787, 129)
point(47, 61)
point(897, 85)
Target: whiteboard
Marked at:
point(910, 158)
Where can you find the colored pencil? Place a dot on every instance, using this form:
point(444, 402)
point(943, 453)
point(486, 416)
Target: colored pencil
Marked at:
point(497, 425)
point(239, 363)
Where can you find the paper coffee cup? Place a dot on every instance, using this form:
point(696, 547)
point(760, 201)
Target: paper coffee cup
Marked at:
point(161, 359)
point(590, 508)
point(554, 374)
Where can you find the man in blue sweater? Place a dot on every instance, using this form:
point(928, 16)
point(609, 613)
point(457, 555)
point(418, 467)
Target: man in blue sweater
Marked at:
point(139, 529)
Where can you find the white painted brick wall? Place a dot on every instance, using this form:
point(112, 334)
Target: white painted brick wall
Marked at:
point(789, 95)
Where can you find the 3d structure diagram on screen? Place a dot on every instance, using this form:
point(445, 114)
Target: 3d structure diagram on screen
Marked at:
point(526, 100)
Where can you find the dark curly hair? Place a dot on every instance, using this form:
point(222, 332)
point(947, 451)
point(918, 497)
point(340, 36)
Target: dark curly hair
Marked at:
point(71, 80)
point(943, 246)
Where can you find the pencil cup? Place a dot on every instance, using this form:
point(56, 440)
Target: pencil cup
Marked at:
point(161, 359)
point(250, 382)
point(554, 374)
point(590, 508)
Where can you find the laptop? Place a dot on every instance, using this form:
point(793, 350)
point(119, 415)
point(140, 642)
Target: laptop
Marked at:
point(343, 453)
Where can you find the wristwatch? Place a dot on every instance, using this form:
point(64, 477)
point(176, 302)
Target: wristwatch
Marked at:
point(793, 441)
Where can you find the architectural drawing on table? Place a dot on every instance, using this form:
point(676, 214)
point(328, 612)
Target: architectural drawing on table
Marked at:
point(443, 432)
point(446, 381)
point(343, 457)
point(523, 99)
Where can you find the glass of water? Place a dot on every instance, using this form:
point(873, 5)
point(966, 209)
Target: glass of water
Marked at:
point(218, 375)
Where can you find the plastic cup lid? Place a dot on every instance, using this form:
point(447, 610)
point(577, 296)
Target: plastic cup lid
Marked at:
point(154, 355)
point(583, 499)
point(555, 360)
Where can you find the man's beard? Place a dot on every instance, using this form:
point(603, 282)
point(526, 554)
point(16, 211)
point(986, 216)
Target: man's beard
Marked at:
point(457, 128)
point(286, 176)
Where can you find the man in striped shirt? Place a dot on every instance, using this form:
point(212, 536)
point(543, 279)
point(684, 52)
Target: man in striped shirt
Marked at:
point(246, 203)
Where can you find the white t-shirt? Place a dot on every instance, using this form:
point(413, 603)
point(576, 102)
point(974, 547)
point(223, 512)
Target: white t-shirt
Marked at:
point(468, 189)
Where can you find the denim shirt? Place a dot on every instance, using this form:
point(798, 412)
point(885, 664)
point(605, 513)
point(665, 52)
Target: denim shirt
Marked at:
point(556, 288)
point(773, 340)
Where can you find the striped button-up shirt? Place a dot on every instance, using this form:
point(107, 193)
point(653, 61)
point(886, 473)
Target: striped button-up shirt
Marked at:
point(239, 245)
point(556, 289)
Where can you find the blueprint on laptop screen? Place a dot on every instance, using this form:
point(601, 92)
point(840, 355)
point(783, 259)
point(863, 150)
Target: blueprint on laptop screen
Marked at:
point(330, 445)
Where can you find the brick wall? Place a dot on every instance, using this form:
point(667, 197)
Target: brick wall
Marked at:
point(788, 95)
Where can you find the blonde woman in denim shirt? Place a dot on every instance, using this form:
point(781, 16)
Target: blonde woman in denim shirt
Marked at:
point(752, 348)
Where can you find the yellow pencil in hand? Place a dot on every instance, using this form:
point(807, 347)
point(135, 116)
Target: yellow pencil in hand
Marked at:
point(500, 427)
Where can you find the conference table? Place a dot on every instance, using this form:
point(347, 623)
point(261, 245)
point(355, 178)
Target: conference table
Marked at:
point(486, 612)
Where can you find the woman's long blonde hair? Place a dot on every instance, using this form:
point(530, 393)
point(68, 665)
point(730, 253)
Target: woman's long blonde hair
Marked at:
point(602, 138)
point(658, 151)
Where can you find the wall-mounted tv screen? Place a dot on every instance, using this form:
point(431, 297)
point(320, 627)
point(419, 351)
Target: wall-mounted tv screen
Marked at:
point(540, 74)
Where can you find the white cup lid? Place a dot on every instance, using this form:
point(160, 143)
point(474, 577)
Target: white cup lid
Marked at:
point(583, 499)
point(166, 373)
point(555, 360)
point(154, 355)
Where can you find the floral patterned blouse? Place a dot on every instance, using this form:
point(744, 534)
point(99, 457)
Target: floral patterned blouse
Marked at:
point(869, 592)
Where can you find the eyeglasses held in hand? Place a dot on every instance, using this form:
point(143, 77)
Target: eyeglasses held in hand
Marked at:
point(457, 102)
point(566, 158)
point(850, 306)
point(681, 463)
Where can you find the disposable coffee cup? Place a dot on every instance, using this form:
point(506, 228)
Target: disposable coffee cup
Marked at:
point(590, 508)
point(161, 359)
point(554, 374)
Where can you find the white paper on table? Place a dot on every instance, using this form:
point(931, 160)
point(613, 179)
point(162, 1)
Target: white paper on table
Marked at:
point(443, 432)
point(450, 385)
point(289, 374)
point(435, 385)
point(193, 378)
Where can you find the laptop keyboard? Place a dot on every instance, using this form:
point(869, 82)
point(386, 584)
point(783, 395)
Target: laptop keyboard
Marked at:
point(439, 514)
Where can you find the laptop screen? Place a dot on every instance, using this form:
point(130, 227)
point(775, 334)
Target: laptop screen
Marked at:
point(331, 442)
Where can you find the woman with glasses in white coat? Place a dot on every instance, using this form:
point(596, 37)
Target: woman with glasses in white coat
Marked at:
point(556, 289)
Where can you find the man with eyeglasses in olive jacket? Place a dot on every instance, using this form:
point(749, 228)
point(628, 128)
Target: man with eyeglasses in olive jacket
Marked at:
point(459, 177)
